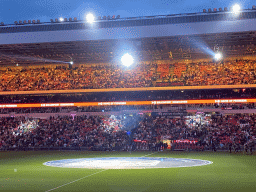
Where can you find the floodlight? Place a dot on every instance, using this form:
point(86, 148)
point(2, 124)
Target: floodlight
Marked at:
point(90, 18)
point(127, 60)
point(61, 19)
point(236, 8)
point(71, 62)
point(218, 56)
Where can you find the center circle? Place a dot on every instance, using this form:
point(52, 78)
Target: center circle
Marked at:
point(127, 163)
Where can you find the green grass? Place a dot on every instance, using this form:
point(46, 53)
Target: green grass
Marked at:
point(229, 172)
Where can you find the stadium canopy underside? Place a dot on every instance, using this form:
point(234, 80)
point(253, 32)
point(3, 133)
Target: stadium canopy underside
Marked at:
point(145, 49)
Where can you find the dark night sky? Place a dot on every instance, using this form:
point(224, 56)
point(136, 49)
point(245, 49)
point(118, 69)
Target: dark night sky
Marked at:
point(14, 10)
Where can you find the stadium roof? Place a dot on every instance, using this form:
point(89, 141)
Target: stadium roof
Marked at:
point(112, 21)
point(189, 46)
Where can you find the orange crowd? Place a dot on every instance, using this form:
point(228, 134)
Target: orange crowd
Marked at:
point(110, 76)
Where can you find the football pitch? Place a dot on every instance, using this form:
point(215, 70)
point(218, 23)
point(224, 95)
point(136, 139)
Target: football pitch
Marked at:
point(25, 171)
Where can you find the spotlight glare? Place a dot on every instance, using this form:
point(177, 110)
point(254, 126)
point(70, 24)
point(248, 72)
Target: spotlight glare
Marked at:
point(90, 18)
point(61, 19)
point(236, 8)
point(218, 56)
point(127, 60)
point(71, 62)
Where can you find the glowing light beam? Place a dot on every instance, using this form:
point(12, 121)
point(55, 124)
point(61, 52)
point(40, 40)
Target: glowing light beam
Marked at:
point(35, 59)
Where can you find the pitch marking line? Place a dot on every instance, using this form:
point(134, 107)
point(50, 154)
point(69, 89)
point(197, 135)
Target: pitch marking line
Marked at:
point(75, 180)
point(87, 176)
point(149, 154)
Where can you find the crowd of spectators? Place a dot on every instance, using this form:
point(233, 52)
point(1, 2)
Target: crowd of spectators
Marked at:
point(224, 73)
point(235, 131)
point(110, 76)
point(92, 133)
point(63, 78)
point(108, 133)
point(220, 132)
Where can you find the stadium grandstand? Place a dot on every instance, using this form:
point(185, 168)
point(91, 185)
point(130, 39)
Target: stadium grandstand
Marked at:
point(141, 94)
point(190, 82)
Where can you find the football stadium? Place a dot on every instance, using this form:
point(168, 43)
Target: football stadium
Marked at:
point(141, 104)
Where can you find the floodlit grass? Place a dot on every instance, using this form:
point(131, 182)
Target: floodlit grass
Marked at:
point(24, 171)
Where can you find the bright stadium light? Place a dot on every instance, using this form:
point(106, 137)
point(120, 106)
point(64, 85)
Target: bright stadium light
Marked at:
point(61, 19)
point(218, 56)
point(236, 8)
point(71, 62)
point(127, 60)
point(90, 18)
